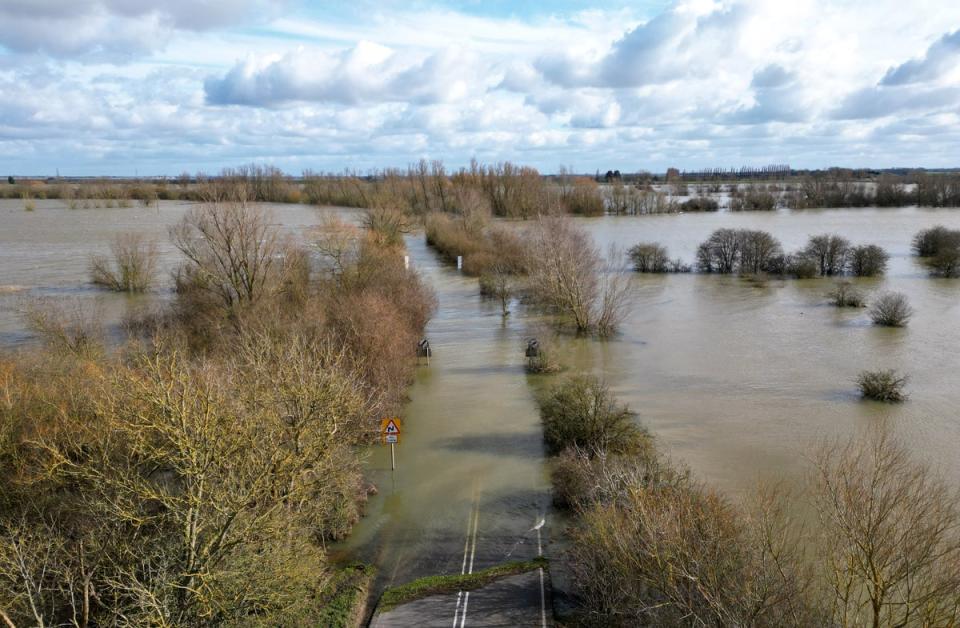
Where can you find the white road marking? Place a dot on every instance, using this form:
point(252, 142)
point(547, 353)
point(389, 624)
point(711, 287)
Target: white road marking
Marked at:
point(469, 548)
point(543, 595)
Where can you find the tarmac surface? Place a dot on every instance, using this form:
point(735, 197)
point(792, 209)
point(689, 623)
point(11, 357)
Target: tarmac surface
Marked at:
point(521, 600)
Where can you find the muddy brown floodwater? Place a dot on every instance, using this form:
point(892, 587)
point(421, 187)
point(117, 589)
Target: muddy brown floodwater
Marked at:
point(736, 378)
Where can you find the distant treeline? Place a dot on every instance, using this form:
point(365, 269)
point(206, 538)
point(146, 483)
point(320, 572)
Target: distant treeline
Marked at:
point(515, 191)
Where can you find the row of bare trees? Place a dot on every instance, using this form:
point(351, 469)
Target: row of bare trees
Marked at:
point(553, 261)
point(747, 251)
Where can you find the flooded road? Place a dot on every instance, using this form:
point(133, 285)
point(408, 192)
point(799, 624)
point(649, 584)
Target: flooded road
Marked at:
point(735, 377)
point(471, 480)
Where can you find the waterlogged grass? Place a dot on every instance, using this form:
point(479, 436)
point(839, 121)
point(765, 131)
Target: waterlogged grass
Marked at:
point(436, 585)
point(343, 609)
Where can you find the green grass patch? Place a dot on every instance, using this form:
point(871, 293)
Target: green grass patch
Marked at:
point(435, 585)
point(344, 605)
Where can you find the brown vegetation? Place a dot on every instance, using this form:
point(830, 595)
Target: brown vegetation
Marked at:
point(739, 251)
point(133, 267)
point(650, 546)
point(569, 275)
point(193, 476)
point(844, 294)
point(941, 249)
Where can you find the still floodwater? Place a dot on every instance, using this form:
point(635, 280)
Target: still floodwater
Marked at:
point(736, 378)
point(46, 253)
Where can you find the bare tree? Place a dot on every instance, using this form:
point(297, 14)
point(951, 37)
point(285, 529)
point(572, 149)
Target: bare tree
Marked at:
point(758, 248)
point(232, 252)
point(889, 534)
point(868, 260)
point(338, 243)
point(569, 274)
point(830, 253)
point(649, 257)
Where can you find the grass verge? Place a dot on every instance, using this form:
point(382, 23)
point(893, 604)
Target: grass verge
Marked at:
point(346, 606)
point(435, 585)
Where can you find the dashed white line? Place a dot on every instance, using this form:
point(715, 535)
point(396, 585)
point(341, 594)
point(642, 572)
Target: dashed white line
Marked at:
point(543, 595)
point(469, 547)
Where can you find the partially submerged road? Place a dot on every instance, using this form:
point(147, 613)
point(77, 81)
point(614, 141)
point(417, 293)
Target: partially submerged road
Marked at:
point(471, 480)
point(518, 600)
point(512, 601)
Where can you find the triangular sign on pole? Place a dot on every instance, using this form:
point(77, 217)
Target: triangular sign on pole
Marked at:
point(390, 426)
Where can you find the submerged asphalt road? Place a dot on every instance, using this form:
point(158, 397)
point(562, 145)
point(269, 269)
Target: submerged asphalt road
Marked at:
point(512, 601)
point(519, 600)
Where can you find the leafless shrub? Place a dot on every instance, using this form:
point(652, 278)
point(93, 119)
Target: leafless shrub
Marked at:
point(649, 257)
point(885, 385)
point(338, 243)
point(132, 268)
point(844, 294)
point(387, 224)
point(67, 328)
point(868, 261)
point(498, 283)
point(891, 309)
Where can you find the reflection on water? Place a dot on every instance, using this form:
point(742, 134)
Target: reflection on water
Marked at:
point(734, 377)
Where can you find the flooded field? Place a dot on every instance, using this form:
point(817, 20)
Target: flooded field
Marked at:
point(738, 378)
point(735, 377)
point(46, 253)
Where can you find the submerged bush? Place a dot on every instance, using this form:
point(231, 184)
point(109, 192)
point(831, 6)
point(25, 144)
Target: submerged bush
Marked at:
point(941, 248)
point(582, 412)
point(891, 309)
point(844, 294)
point(569, 276)
point(700, 204)
point(753, 200)
point(885, 385)
point(867, 261)
point(649, 257)
point(929, 242)
point(946, 263)
point(133, 267)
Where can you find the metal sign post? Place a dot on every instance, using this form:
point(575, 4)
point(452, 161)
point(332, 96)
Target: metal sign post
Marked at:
point(390, 435)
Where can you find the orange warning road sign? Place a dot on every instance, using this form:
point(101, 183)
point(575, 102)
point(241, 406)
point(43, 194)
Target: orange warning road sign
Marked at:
point(390, 431)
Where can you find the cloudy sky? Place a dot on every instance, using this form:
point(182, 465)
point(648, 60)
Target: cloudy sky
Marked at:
point(126, 86)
